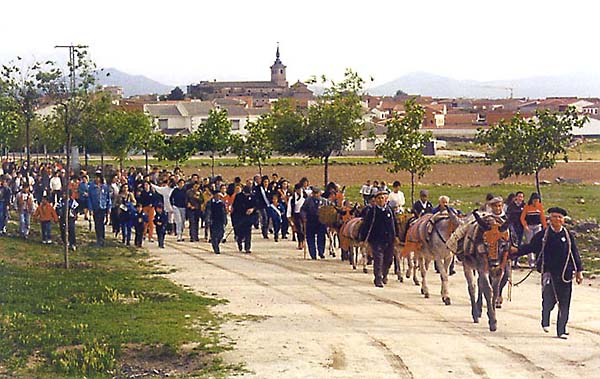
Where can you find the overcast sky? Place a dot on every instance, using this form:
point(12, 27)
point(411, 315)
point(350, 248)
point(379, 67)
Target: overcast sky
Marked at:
point(178, 42)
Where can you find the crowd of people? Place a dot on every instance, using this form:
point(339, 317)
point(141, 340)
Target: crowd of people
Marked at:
point(158, 203)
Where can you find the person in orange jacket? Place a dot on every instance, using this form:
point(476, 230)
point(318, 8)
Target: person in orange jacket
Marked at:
point(46, 214)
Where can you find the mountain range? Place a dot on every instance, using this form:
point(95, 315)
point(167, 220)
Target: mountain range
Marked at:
point(416, 83)
point(420, 83)
point(132, 84)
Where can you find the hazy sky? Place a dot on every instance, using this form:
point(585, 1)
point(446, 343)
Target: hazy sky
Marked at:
point(177, 42)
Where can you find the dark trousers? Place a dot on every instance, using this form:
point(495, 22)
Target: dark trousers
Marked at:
point(46, 230)
point(139, 234)
point(383, 256)
point(194, 216)
point(264, 222)
point(126, 232)
point(114, 220)
point(72, 237)
point(285, 226)
point(161, 232)
point(316, 232)
point(299, 226)
point(243, 237)
point(554, 290)
point(216, 236)
point(2, 216)
point(99, 216)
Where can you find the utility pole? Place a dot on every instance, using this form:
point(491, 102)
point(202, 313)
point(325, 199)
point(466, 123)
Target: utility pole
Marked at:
point(66, 196)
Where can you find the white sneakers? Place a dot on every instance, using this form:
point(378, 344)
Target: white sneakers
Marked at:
point(563, 336)
point(546, 329)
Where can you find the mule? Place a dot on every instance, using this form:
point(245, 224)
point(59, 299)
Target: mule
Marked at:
point(426, 238)
point(486, 248)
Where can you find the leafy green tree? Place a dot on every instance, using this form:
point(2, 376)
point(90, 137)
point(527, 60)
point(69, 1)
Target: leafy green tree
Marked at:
point(287, 127)
point(127, 131)
point(71, 101)
point(526, 147)
point(9, 124)
point(26, 85)
point(404, 143)
point(214, 135)
point(173, 148)
point(257, 145)
point(331, 125)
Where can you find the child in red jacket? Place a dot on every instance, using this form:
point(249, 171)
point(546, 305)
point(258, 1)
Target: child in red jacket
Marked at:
point(46, 214)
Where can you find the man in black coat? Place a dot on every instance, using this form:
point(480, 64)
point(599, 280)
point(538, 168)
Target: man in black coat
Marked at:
point(315, 231)
point(557, 258)
point(379, 229)
point(217, 219)
point(243, 216)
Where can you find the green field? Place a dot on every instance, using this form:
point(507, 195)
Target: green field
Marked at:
point(113, 304)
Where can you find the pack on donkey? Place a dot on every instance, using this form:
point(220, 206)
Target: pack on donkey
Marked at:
point(483, 243)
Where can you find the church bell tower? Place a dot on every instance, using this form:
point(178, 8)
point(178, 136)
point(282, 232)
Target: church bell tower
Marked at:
point(278, 71)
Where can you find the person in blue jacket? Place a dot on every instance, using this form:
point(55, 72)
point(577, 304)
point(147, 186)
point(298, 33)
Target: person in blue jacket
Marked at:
point(139, 222)
point(160, 223)
point(99, 203)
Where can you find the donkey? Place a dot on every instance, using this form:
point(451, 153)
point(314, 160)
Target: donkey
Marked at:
point(486, 248)
point(349, 241)
point(427, 237)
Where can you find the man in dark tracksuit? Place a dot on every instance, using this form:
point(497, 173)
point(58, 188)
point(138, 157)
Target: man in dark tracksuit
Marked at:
point(217, 219)
point(557, 258)
point(379, 229)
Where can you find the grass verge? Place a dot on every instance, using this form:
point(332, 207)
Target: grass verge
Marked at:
point(110, 315)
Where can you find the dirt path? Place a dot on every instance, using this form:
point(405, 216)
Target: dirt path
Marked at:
point(324, 320)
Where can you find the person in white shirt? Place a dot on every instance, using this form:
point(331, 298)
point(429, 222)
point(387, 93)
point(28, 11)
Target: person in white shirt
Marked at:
point(396, 198)
point(56, 187)
point(365, 191)
point(293, 213)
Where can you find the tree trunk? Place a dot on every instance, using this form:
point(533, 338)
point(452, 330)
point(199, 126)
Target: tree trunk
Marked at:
point(259, 168)
point(102, 160)
point(412, 189)
point(27, 139)
point(326, 170)
point(146, 155)
point(66, 192)
point(85, 157)
point(537, 184)
point(212, 169)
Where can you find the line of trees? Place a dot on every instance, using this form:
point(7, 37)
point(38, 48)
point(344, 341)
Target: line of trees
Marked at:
point(327, 127)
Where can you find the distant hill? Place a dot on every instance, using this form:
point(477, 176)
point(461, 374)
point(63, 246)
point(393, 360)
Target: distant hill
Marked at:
point(133, 84)
point(420, 83)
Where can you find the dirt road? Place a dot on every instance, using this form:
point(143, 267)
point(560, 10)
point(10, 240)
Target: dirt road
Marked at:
point(321, 319)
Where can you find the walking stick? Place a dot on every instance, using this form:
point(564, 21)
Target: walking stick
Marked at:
point(304, 232)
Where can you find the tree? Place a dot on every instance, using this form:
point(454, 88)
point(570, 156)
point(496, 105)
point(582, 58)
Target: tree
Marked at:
point(213, 135)
point(128, 131)
point(26, 85)
point(256, 147)
point(287, 127)
point(9, 123)
point(173, 148)
point(526, 147)
point(176, 94)
point(404, 143)
point(71, 101)
point(400, 93)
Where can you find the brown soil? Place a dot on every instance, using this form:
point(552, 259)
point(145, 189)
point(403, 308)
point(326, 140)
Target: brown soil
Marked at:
point(451, 173)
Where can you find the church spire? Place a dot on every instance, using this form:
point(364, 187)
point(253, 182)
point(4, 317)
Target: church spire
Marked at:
point(277, 60)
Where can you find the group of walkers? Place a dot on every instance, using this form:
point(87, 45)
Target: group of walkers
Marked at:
point(160, 202)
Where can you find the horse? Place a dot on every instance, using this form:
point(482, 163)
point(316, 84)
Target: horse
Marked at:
point(350, 242)
point(403, 264)
point(426, 238)
point(486, 248)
